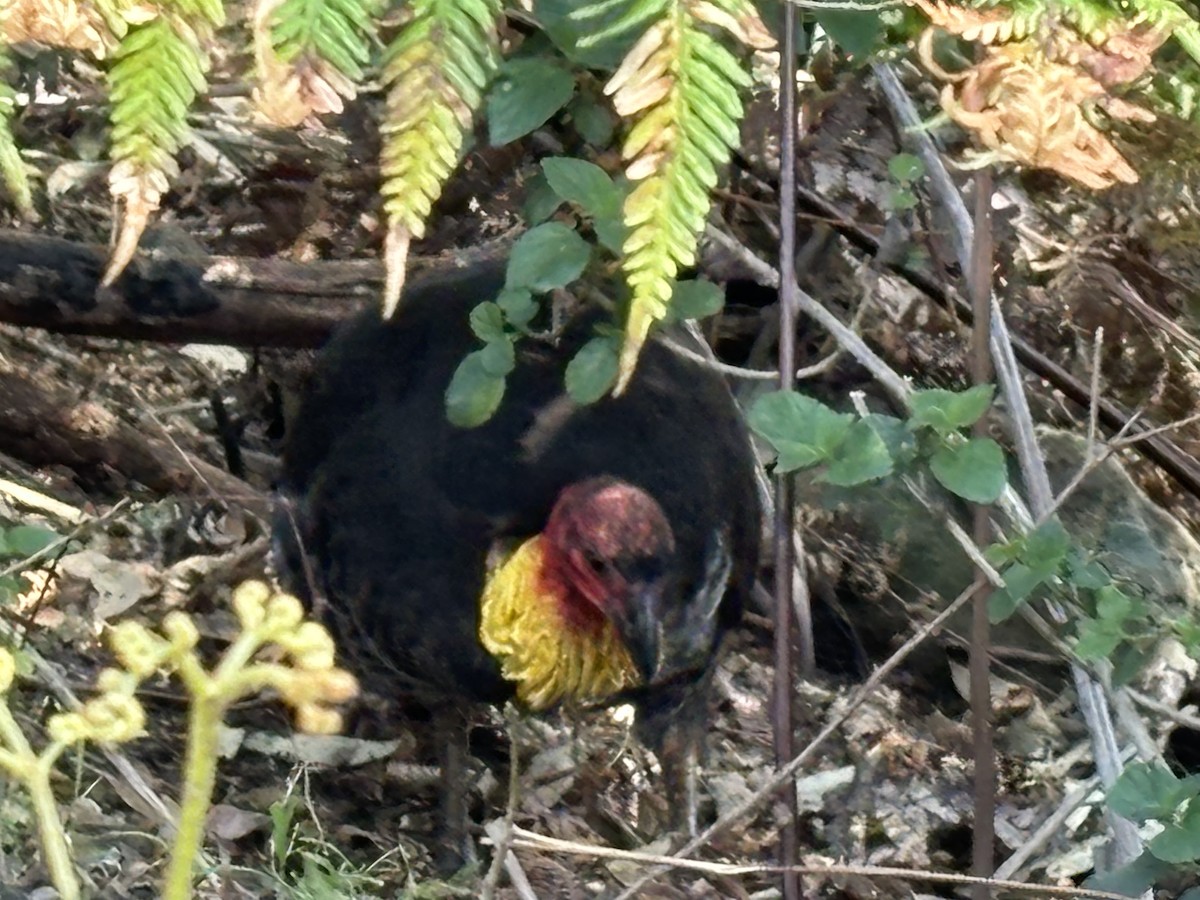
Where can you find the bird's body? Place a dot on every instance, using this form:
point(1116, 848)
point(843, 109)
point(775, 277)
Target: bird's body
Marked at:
point(450, 558)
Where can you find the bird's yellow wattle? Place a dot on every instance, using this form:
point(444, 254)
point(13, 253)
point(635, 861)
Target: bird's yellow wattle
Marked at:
point(522, 624)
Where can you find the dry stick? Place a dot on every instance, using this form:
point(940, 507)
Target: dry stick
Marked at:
point(28, 497)
point(785, 511)
point(979, 285)
point(1092, 702)
point(885, 375)
point(534, 841)
point(496, 831)
point(1050, 828)
point(500, 830)
point(785, 774)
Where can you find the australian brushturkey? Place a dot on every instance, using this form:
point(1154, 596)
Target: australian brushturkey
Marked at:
point(557, 553)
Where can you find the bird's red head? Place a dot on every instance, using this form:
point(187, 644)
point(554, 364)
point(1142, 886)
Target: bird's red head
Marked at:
point(609, 554)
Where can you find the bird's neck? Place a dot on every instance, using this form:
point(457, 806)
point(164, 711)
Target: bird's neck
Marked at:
point(526, 622)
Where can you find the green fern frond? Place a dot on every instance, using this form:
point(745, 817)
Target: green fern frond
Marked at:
point(683, 84)
point(1170, 16)
point(435, 72)
point(12, 169)
point(158, 70)
point(336, 31)
point(637, 13)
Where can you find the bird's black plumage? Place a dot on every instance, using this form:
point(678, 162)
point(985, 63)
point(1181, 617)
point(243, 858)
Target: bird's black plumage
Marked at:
point(398, 509)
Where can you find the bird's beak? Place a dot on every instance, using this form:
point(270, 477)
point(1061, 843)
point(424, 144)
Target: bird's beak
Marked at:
point(641, 628)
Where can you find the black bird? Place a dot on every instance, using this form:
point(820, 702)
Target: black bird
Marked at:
point(556, 554)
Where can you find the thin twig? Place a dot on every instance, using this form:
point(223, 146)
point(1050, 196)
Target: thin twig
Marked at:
point(1094, 403)
point(784, 775)
point(785, 508)
point(1092, 701)
point(979, 287)
point(502, 834)
point(533, 841)
point(53, 549)
point(1051, 827)
point(28, 497)
point(1163, 710)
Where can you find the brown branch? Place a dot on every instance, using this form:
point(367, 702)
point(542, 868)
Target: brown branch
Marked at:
point(51, 283)
point(46, 426)
point(1161, 451)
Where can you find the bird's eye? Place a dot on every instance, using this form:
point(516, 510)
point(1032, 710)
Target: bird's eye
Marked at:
point(596, 563)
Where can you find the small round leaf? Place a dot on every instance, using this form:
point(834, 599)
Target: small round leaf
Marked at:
point(974, 469)
point(474, 393)
point(591, 374)
point(547, 257)
point(524, 96)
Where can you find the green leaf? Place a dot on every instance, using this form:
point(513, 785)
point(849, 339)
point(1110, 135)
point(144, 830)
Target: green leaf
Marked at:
point(1019, 582)
point(858, 33)
point(590, 188)
point(11, 587)
point(583, 183)
point(863, 456)
point(282, 813)
point(896, 435)
point(611, 231)
point(1112, 604)
point(568, 33)
point(593, 120)
point(474, 393)
point(26, 540)
point(1188, 632)
point(487, 321)
point(802, 431)
point(902, 200)
point(540, 200)
point(1086, 573)
point(547, 257)
point(1046, 547)
point(948, 411)
point(906, 168)
point(1002, 553)
point(518, 306)
point(695, 299)
point(1179, 842)
point(1133, 879)
point(1146, 791)
point(524, 96)
point(593, 371)
point(1097, 639)
point(974, 470)
point(1129, 661)
point(499, 356)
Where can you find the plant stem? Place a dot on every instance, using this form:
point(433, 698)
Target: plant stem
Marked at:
point(34, 772)
point(56, 853)
point(199, 779)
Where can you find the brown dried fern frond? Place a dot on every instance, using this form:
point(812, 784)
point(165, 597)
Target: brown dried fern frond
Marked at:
point(996, 25)
point(1031, 101)
point(290, 94)
point(55, 23)
point(1027, 109)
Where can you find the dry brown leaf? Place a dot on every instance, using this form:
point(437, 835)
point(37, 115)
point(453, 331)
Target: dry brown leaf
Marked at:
point(295, 93)
point(141, 190)
point(56, 23)
point(1030, 108)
